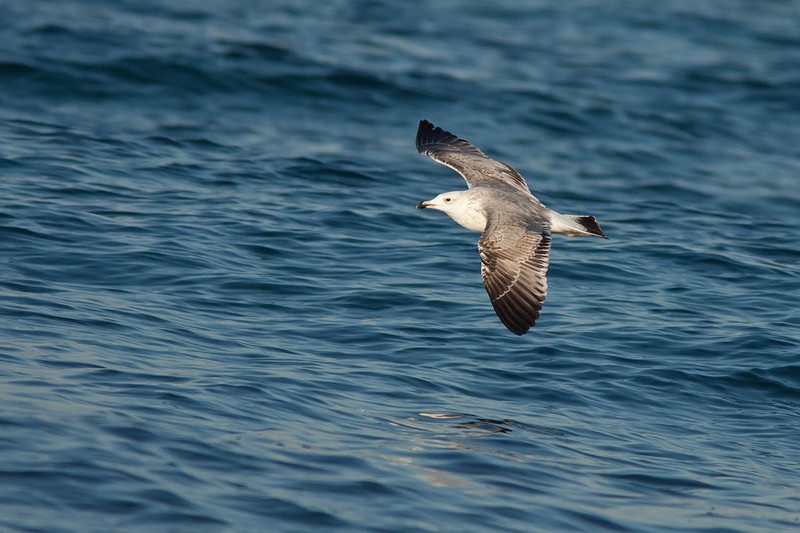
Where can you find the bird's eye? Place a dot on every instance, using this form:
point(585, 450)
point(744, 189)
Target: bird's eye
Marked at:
point(447, 199)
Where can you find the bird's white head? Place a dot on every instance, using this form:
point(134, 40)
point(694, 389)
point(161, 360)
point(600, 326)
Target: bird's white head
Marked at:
point(461, 208)
point(447, 202)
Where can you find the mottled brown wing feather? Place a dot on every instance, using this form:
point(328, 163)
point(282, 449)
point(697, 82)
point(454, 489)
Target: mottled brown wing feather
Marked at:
point(460, 155)
point(514, 262)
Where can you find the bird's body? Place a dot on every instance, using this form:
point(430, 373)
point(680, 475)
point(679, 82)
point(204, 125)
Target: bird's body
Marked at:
point(515, 226)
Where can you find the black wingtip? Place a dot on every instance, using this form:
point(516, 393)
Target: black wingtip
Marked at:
point(429, 136)
point(518, 327)
point(518, 320)
point(519, 332)
point(425, 134)
point(431, 139)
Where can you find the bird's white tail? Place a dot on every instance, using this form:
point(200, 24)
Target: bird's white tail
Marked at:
point(572, 225)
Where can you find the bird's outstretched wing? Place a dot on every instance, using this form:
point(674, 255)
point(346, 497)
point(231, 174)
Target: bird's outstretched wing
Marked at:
point(514, 260)
point(473, 165)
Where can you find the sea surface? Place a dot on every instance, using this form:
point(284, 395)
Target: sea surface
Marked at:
point(220, 311)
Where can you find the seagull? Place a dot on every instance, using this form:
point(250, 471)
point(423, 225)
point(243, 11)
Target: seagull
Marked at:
point(515, 226)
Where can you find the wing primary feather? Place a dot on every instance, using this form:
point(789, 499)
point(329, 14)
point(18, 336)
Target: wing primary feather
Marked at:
point(514, 266)
point(460, 155)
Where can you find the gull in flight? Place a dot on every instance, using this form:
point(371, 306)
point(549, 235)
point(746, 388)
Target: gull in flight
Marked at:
point(515, 226)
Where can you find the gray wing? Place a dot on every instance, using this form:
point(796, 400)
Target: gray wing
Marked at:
point(458, 154)
point(514, 259)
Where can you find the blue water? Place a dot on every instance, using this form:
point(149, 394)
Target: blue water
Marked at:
point(221, 311)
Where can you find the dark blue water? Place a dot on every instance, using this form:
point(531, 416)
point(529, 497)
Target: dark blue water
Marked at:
point(220, 310)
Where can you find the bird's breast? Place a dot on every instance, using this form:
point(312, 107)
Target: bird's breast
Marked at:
point(470, 218)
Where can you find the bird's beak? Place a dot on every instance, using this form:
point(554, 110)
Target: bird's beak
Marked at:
point(423, 205)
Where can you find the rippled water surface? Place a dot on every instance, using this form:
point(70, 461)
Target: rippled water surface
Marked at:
point(221, 311)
